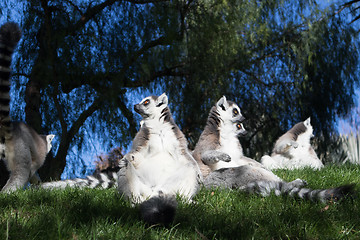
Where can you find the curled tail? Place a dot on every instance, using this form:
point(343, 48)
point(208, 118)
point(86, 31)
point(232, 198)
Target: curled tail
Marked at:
point(10, 35)
point(100, 180)
point(159, 210)
point(261, 181)
point(296, 189)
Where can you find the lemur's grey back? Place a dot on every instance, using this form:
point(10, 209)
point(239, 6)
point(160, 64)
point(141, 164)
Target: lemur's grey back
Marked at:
point(209, 140)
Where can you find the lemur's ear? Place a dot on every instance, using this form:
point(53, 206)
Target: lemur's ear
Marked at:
point(162, 99)
point(307, 121)
point(222, 103)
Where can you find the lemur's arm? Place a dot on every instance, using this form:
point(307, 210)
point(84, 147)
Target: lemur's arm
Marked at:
point(283, 147)
point(130, 182)
point(213, 156)
point(141, 139)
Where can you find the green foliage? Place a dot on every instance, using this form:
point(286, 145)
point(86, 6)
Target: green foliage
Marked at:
point(217, 214)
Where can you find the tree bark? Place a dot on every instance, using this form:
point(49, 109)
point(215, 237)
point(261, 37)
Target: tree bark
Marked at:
point(32, 108)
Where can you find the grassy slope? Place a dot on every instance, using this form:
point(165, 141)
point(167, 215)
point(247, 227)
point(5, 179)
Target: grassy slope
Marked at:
point(103, 214)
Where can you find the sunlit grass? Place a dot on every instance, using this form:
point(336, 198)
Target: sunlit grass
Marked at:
point(217, 214)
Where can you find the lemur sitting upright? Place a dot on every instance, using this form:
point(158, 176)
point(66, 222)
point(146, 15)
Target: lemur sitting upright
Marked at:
point(218, 145)
point(159, 165)
point(293, 149)
point(220, 132)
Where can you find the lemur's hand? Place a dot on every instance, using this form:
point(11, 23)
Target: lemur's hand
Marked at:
point(294, 144)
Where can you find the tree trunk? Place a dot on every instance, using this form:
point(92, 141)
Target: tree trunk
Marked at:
point(32, 108)
point(54, 166)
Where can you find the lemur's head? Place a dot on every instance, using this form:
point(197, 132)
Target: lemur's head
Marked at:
point(303, 129)
point(152, 106)
point(48, 139)
point(229, 111)
point(239, 129)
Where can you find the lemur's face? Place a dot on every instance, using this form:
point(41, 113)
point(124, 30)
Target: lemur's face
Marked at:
point(151, 106)
point(229, 111)
point(239, 129)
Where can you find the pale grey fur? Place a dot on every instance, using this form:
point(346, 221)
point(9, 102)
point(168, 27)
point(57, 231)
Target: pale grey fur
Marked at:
point(293, 149)
point(159, 165)
point(25, 152)
point(250, 177)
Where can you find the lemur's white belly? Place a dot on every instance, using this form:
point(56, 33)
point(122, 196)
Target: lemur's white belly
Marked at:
point(157, 168)
point(162, 140)
point(230, 146)
point(164, 159)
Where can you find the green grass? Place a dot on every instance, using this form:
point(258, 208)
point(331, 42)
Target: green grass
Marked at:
point(217, 214)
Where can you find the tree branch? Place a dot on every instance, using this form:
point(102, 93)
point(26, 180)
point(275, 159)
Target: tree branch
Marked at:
point(348, 4)
point(75, 6)
point(157, 42)
point(170, 72)
point(146, 1)
point(92, 79)
point(88, 15)
point(93, 11)
point(128, 115)
point(59, 110)
point(81, 119)
point(20, 75)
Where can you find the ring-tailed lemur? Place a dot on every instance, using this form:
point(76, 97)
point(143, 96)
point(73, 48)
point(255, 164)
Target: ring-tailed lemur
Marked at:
point(22, 149)
point(247, 177)
point(293, 149)
point(218, 145)
point(159, 165)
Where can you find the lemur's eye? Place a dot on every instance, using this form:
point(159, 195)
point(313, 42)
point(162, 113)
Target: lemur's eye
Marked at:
point(238, 126)
point(147, 101)
point(235, 112)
